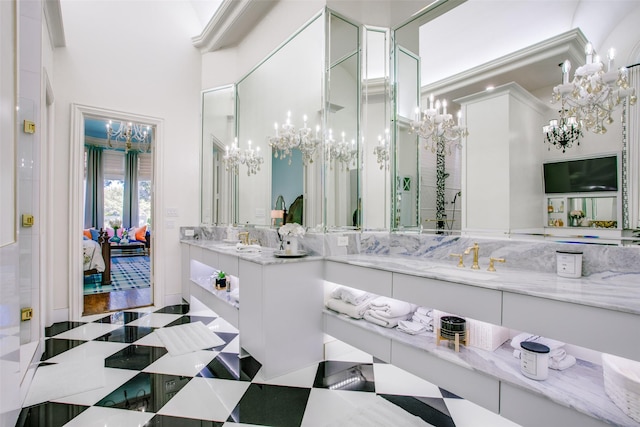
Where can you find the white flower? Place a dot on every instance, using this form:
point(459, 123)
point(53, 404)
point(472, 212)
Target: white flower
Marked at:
point(291, 229)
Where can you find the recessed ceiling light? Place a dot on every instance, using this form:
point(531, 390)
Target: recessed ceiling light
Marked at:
point(490, 88)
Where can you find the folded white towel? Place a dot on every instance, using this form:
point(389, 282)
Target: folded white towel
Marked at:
point(388, 322)
point(350, 295)
point(425, 311)
point(413, 328)
point(552, 344)
point(392, 307)
point(425, 320)
point(354, 311)
point(562, 364)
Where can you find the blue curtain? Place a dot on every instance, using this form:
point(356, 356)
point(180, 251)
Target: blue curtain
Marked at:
point(94, 192)
point(130, 215)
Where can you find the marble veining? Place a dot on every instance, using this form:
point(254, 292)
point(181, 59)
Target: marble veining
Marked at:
point(580, 387)
point(615, 291)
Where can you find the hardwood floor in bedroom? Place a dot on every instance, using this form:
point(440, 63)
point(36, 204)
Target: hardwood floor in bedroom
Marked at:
point(116, 300)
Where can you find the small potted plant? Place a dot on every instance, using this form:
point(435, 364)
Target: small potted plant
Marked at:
point(221, 280)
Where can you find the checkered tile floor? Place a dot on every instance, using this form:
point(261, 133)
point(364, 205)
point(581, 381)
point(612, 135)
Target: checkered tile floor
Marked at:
point(135, 382)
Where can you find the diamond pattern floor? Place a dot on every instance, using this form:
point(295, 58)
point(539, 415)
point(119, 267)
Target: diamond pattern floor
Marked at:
point(139, 384)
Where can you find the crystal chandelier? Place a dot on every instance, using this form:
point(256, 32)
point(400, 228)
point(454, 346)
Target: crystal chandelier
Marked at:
point(436, 125)
point(128, 134)
point(235, 156)
point(593, 93)
point(287, 138)
point(562, 134)
point(382, 150)
point(342, 152)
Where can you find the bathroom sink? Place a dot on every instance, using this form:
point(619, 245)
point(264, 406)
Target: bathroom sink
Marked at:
point(463, 273)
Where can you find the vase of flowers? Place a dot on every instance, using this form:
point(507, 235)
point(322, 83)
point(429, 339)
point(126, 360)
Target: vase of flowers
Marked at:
point(290, 233)
point(115, 224)
point(575, 217)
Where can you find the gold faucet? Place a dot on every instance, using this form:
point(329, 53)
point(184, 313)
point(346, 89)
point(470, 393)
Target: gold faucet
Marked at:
point(244, 237)
point(460, 262)
point(475, 248)
point(492, 260)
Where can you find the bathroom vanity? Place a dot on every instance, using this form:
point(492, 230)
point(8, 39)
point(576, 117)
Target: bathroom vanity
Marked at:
point(282, 319)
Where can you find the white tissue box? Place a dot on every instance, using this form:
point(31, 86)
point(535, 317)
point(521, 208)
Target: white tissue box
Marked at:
point(485, 335)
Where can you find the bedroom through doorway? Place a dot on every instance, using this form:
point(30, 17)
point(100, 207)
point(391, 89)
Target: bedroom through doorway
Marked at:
point(117, 207)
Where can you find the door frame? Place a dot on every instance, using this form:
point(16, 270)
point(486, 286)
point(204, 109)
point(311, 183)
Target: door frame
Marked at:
point(78, 114)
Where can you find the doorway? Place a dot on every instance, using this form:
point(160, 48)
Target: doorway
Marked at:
point(114, 187)
point(118, 172)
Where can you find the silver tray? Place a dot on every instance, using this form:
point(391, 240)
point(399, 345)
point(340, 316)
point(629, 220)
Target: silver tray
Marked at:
point(282, 254)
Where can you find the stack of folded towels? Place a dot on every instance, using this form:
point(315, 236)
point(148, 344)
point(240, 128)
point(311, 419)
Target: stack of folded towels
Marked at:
point(558, 357)
point(349, 301)
point(421, 321)
point(387, 312)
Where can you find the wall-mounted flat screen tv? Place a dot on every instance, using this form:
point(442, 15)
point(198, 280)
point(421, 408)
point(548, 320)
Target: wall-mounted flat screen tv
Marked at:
point(581, 176)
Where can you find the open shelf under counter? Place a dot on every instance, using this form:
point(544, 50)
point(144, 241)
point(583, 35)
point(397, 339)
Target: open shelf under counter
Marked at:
point(220, 302)
point(488, 377)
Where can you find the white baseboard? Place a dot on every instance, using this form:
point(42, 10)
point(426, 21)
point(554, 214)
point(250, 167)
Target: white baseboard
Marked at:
point(172, 299)
point(60, 315)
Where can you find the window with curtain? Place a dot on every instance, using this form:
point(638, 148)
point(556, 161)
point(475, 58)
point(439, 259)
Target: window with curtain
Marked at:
point(113, 163)
point(145, 172)
point(114, 180)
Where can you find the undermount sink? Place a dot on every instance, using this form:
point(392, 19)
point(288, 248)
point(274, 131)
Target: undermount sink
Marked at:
point(463, 273)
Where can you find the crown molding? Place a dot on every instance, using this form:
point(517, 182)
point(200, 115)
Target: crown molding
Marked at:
point(568, 45)
point(53, 16)
point(230, 24)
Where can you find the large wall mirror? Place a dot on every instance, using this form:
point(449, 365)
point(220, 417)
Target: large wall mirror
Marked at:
point(463, 71)
point(218, 132)
point(285, 88)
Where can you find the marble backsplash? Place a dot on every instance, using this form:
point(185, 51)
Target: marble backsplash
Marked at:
point(529, 255)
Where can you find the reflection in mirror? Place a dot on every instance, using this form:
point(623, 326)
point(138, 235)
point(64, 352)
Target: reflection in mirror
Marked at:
point(407, 166)
point(528, 58)
point(218, 130)
point(286, 84)
point(376, 137)
point(342, 207)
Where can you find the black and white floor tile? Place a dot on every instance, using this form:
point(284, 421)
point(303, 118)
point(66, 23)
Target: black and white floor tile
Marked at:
point(118, 373)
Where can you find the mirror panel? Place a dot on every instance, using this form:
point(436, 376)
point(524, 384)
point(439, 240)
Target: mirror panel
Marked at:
point(407, 164)
point(376, 125)
point(448, 71)
point(342, 167)
point(290, 80)
point(218, 131)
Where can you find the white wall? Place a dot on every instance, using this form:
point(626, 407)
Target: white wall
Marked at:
point(229, 65)
point(135, 57)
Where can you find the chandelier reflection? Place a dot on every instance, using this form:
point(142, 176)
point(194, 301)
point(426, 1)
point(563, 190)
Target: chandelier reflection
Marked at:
point(130, 136)
point(235, 156)
point(382, 150)
point(287, 138)
point(594, 93)
point(562, 134)
point(342, 152)
point(436, 125)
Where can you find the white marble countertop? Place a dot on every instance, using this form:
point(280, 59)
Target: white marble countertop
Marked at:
point(609, 290)
point(264, 257)
point(580, 387)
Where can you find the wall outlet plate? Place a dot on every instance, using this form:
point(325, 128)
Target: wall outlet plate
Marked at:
point(343, 240)
point(189, 232)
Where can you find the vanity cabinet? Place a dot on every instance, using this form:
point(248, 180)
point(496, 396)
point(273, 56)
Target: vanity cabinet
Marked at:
point(464, 300)
point(280, 316)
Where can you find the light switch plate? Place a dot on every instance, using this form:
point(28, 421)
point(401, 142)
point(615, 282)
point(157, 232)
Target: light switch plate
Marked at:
point(343, 240)
point(172, 212)
point(189, 232)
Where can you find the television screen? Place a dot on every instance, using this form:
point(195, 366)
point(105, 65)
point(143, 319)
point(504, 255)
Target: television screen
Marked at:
point(581, 176)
